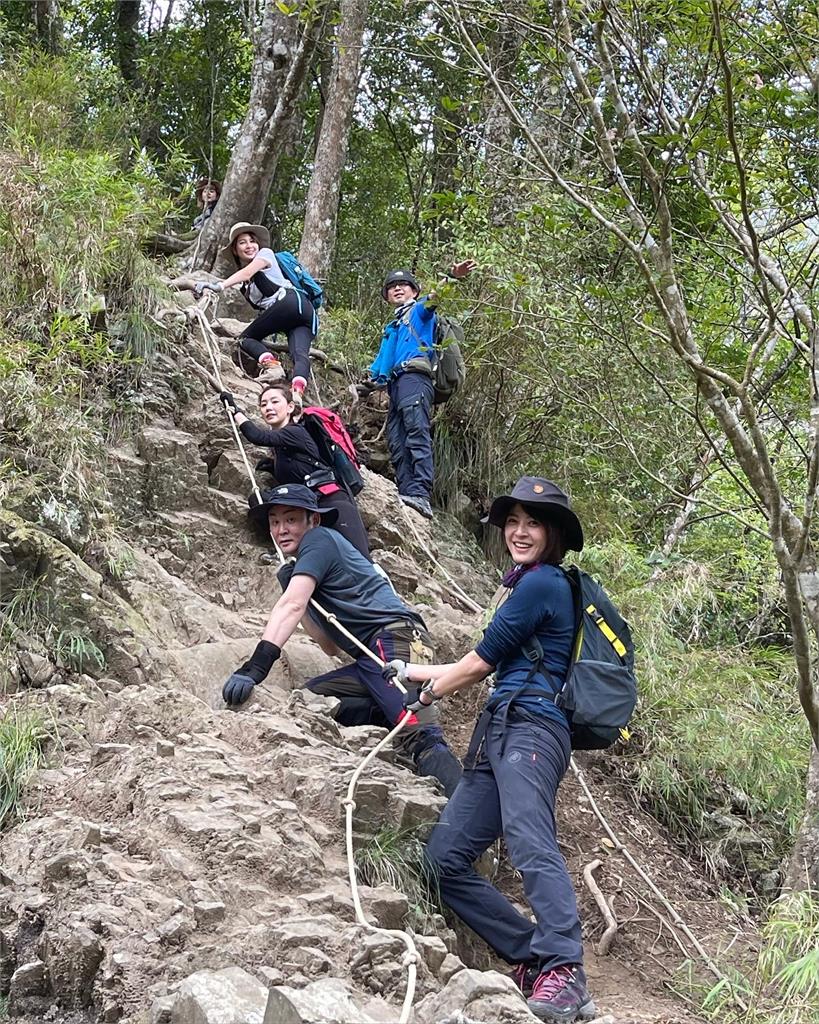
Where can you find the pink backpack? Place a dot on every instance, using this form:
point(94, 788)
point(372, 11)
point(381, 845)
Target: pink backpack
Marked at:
point(335, 445)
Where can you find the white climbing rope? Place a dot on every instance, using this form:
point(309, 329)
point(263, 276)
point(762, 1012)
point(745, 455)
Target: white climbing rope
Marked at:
point(458, 591)
point(410, 959)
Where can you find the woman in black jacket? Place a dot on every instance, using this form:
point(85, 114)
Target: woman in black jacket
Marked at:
point(296, 458)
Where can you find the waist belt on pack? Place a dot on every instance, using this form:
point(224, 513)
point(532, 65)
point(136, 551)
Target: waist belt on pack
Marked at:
point(319, 478)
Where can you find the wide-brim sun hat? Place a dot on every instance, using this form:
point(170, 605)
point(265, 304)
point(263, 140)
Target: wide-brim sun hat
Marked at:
point(243, 228)
point(545, 497)
point(292, 496)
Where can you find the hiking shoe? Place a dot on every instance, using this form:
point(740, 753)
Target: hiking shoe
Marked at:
point(525, 976)
point(420, 504)
point(270, 371)
point(560, 995)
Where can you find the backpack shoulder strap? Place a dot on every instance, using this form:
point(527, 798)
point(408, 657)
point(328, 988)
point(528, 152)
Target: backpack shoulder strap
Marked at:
point(573, 575)
point(533, 649)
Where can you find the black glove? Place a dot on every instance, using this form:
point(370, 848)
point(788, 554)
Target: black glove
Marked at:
point(227, 399)
point(238, 688)
point(367, 386)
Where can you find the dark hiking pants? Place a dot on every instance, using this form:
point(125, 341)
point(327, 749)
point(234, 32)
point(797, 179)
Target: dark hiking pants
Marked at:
point(511, 792)
point(294, 316)
point(368, 699)
point(409, 433)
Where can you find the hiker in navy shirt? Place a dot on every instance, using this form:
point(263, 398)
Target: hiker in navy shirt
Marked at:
point(403, 365)
point(519, 752)
point(328, 568)
point(296, 458)
point(284, 309)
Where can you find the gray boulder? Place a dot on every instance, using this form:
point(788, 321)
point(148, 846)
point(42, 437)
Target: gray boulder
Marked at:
point(482, 997)
point(326, 1001)
point(228, 996)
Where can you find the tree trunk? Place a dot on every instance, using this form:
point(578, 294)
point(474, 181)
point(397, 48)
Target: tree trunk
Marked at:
point(321, 213)
point(128, 12)
point(279, 68)
point(48, 24)
point(803, 867)
point(498, 131)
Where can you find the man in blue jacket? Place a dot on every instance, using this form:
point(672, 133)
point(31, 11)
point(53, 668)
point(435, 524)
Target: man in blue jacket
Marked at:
point(404, 366)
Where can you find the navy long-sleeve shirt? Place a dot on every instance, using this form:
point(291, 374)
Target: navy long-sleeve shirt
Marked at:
point(540, 605)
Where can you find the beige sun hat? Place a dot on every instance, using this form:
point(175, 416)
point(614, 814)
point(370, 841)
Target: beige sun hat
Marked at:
point(243, 228)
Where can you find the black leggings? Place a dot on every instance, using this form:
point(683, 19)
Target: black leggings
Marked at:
point(349, 523)
point(294, 316)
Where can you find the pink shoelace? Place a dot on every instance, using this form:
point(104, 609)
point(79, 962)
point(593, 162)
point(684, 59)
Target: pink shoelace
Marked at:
point(548, 985)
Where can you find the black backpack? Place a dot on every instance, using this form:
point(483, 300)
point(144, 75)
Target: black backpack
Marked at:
point(600, 691)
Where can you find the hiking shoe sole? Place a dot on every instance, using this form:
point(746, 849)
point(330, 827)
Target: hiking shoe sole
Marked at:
point(588, 1011)
point(421, 507)
point(271, 374)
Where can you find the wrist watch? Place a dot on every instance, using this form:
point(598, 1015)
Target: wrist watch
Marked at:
point(428, 690)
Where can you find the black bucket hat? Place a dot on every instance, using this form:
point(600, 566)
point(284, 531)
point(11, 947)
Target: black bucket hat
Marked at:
point(400, 277)
point(547, 499)
point(294, 496)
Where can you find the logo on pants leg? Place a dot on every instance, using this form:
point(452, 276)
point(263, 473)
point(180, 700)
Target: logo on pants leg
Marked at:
point(514, 757)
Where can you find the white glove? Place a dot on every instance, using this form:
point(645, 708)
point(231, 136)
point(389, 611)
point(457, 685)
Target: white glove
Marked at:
point(200, 287)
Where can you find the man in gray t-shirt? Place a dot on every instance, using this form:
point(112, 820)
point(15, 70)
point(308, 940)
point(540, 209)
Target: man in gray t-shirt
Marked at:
point(329, 569)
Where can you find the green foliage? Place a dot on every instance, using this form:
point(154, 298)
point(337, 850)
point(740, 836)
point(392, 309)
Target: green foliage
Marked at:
point(77, 651)
point(395, 857)
point(28, 617)
point(23, 735)
point(20, 609)
point(79, 293)
point(783, 985)
point(718, 749)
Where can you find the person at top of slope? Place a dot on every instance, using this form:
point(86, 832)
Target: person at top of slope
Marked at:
point(284, 308)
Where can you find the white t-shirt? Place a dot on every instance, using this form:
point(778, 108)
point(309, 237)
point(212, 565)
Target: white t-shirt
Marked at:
point(273, 274)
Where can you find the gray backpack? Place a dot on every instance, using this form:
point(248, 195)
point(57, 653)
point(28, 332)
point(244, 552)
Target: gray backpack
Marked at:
point(448, 366)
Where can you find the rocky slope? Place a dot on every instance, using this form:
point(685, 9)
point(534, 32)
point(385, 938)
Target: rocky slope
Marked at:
point(177, 860)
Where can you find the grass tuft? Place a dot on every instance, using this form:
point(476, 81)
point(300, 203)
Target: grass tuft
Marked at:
point(782, 986)
point(395, 857)
point(719, 747)
point(23, 735)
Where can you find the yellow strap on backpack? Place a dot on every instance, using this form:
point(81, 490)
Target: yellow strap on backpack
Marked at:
point(607, 631)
